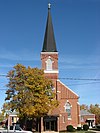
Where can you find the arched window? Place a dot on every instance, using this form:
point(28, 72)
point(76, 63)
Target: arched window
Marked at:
point(49, 64)
point(68, 109)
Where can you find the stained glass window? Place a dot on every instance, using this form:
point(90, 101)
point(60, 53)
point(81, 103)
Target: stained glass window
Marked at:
point(68, 109)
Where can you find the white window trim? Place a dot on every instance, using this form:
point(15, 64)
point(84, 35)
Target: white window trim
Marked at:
point(69, 118)
point(51, 71)
point(49, 63)
point(64, 120)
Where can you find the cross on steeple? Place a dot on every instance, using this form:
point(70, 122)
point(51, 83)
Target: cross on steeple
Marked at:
point(49, 54)
point(49, 5)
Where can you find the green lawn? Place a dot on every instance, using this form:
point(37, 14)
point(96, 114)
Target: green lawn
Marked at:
point(75, 132)
point(80, 132)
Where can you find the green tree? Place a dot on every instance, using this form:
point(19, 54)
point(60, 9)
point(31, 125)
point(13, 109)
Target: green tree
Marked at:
point(30, 92)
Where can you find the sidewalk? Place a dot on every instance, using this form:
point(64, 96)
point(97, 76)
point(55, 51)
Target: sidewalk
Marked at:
point(49, 132)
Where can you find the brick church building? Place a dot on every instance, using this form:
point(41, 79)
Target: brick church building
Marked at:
point(68, 111)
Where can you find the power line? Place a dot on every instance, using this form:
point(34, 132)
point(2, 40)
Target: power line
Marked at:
point(3, 89)
point(3, 75)
point(66, 78)
point(67, 85)
point(83, 83)
point(81, 79)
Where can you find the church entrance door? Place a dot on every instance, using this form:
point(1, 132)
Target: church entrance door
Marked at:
point(50, 123)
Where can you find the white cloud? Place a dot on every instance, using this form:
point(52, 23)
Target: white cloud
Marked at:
point(24, 55)
point(79, 62)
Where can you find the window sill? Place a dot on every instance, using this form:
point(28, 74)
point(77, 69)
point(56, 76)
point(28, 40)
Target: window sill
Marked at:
point(69, 118)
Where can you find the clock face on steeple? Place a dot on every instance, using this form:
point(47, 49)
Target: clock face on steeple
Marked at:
point(49, 64)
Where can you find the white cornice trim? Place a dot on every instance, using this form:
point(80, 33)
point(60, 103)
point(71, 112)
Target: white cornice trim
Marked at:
point(12, 115)
point(67, 87)
point(51, 71)
point(49, 52)
point(78, 103)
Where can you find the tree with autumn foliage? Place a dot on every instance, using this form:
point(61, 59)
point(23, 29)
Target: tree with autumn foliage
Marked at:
point(1, 117)
point(95, 109)
point(84, 107)
point(29, 92)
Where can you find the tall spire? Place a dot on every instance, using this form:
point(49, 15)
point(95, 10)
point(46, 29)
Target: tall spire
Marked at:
point(49, 44)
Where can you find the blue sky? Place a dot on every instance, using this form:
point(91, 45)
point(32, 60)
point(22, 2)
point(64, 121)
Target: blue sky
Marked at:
point(77, 32)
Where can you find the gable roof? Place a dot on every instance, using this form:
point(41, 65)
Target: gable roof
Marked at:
point(85, 112)
point(14, 113)
point(49, 44)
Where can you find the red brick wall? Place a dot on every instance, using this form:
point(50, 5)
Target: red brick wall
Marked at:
point(54, 57)
point(64, 95)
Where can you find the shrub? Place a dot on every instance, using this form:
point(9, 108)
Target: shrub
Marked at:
point(85, 127)
point(79, 128)
point(98, 126)
point(70, 128)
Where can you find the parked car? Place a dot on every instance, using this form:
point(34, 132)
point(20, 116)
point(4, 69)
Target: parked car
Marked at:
point(16, 128)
